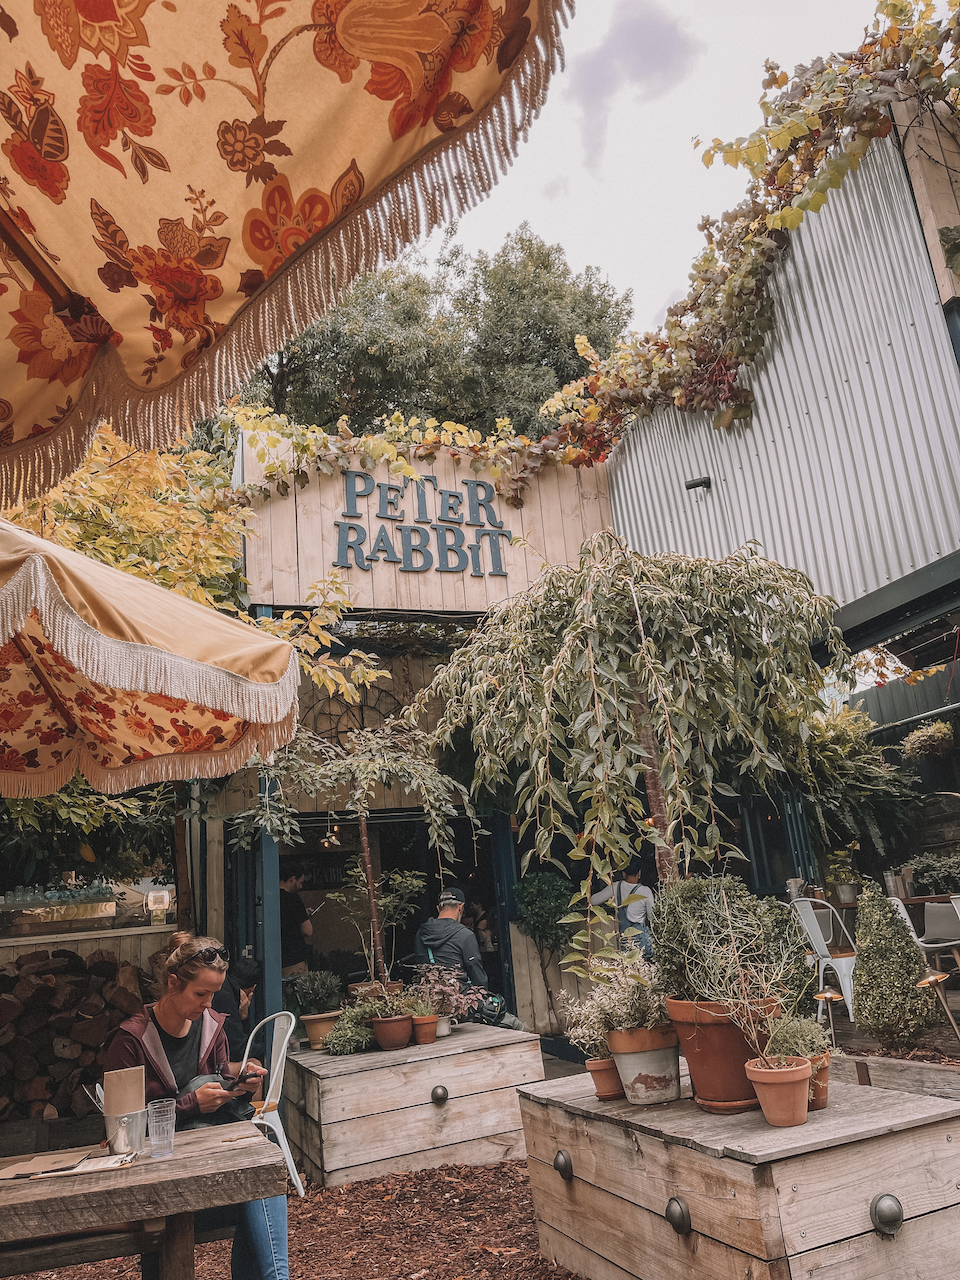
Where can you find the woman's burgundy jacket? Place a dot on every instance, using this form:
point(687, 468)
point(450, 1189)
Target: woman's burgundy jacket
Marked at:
point(136, 1043)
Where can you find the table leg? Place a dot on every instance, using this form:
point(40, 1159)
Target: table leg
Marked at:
point(176, 1248)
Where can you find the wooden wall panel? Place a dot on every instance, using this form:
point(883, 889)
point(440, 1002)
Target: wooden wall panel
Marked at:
point(294, 541)
point(932, 153)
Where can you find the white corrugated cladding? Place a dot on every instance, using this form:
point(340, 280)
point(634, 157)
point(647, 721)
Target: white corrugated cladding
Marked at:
point(850, 468)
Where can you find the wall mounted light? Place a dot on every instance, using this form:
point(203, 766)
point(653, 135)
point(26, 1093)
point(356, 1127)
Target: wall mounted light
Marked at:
point(701, 482)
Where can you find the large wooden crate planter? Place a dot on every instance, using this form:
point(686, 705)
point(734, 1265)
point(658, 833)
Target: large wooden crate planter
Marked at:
point(369, 1114)
point(763, 1203)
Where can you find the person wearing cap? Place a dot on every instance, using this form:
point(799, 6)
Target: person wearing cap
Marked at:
point(445, 941)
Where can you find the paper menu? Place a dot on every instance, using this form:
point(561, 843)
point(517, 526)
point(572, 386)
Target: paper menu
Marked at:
point(49, 1162)
point(123, 1091)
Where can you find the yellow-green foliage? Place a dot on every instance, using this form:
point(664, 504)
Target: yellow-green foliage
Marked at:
point(886, 1001)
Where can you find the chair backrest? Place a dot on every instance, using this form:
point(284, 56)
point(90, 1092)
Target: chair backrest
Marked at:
point(282, 1031)
point(904, 915)
point(808, 911)
point(825, 920)
point(940, 922)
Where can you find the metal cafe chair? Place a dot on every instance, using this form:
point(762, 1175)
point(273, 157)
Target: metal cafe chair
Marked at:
point(941, 928)
point(841, 959)
point(268, 1114)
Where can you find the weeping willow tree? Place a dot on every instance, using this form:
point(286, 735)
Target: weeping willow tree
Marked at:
point(634, 692)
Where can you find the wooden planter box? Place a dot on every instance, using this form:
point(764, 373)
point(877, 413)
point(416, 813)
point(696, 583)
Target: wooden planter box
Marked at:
point(934, 1079)
point(369, 1114)
point(764, 1203)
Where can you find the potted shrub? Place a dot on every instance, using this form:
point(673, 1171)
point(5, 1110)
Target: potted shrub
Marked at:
point(641, 1038)
point(728, 960)
point(315, 999)
point(842, 875)
point(586, 1028)
point(792, 1037)
point(440, 988)
point(887, 1003)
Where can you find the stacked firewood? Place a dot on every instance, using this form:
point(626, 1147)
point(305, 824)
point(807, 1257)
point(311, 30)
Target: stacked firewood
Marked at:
point(57, 1010)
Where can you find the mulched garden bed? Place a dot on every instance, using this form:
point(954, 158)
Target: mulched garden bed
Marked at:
point(460, 1222)
point(906, 1055)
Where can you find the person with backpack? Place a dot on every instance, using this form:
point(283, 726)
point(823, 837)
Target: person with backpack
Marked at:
point(634, 917)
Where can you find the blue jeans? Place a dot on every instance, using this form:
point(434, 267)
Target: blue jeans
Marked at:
point(260, 1240)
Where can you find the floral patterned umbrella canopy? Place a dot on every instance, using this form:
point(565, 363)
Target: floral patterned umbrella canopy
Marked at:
point(185, 186)
point(127, 682)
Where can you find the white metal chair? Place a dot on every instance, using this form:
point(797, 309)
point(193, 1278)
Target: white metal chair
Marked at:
point(268, 1114)
point(933, 942)
point(841, 959)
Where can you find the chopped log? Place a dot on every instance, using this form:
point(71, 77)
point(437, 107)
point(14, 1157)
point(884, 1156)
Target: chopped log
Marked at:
point(6, 1107)
point(102, 964)
point(92, 1031)
point(46, 1057)
point(35, 1110)
point(20, 1047)
point(9, 977)
point(60, 1023)
point(31, 1021)
point(32, 957)
point(6, 1064)
point(25, 1068)
point(33, 1090)
point(87, 1058)
point(90, 1006)
point(124, 993)
point(61, 1068)
point(81, 1104)
point(66, 993)
point(6, 1034)
point(41, 1038)
point(102, 1057)
point(35, 991)
point(10, 1009)
point(65, 1048)
point(56, 965)
point(43, 967)
point(50, 1112)
point(75, 962)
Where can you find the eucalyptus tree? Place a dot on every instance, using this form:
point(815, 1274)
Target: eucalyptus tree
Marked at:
point(632, 691)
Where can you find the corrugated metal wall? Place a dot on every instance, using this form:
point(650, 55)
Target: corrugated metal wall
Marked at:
point(850, 468)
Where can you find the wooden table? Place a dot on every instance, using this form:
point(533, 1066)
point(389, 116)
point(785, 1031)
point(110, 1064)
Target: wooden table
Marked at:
point(214, 1166)
point(764, 1203)
point(368, 1114)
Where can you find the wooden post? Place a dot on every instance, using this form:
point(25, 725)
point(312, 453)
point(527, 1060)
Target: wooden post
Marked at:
point(176, 1248)
point(182, 871)
point(375, 934)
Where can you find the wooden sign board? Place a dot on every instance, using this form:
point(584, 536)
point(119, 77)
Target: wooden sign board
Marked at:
point(441, 544)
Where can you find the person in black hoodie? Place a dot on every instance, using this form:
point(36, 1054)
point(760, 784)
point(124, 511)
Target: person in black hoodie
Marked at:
point(447, 942)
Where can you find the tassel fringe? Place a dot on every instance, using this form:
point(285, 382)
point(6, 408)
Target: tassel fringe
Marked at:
point(439, 186)
point(141, 668)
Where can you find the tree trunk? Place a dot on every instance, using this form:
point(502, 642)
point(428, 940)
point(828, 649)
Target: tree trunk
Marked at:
point(656, 799)
point(376, 936)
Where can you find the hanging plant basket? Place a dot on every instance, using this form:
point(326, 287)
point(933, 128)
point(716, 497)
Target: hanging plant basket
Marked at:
point(934, 739)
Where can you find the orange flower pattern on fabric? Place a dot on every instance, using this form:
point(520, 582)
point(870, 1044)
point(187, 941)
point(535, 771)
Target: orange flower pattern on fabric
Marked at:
point(118, 726)
point(291, 116)
point(282, 224)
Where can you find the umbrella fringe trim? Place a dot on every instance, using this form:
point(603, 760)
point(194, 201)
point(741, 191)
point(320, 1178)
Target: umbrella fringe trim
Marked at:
point(260, 739)
point(440, 185)
point(141, 668)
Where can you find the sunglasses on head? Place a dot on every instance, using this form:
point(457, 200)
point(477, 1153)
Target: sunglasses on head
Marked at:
point(206, 955)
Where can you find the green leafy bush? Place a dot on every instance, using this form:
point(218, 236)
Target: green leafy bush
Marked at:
point(792, 1037)
point(887, 1003)
point(543, 899)
point(937, 872)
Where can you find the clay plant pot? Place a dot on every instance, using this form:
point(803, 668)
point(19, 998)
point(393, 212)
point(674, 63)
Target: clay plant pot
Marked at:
point(443, 1025)
point(821, 1078)
point(648, 1063)
point(425, 1029)
point(606, 1081)
point(782, 1090)
point(393, 1033)
point(317, 1025)
point(715, 1049)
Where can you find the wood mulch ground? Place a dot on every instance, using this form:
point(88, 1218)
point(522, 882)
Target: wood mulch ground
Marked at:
point(459, 1222)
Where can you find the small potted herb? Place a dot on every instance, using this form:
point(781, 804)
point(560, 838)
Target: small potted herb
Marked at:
point(440, 988)
point(842, 874)
point(793, 1037)
point(587, 1030)
point(315, 999)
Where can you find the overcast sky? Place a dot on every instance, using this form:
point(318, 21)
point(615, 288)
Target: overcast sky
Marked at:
point(609, 171)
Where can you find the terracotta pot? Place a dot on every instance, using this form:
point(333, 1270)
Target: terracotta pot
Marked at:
point(393, 1033)
point(355, 990)
point(317, 1025)
point(821, 1078)
point(715, 1049)
point(606, 1081)
point(782, 1090)
point(443, 1025)
point(648, 1063)
point(425, 1029)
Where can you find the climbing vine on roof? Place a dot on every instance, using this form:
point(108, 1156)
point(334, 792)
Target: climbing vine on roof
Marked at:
point(818, 125)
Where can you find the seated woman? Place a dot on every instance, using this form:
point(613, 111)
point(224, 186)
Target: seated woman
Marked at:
point(177, 1039)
